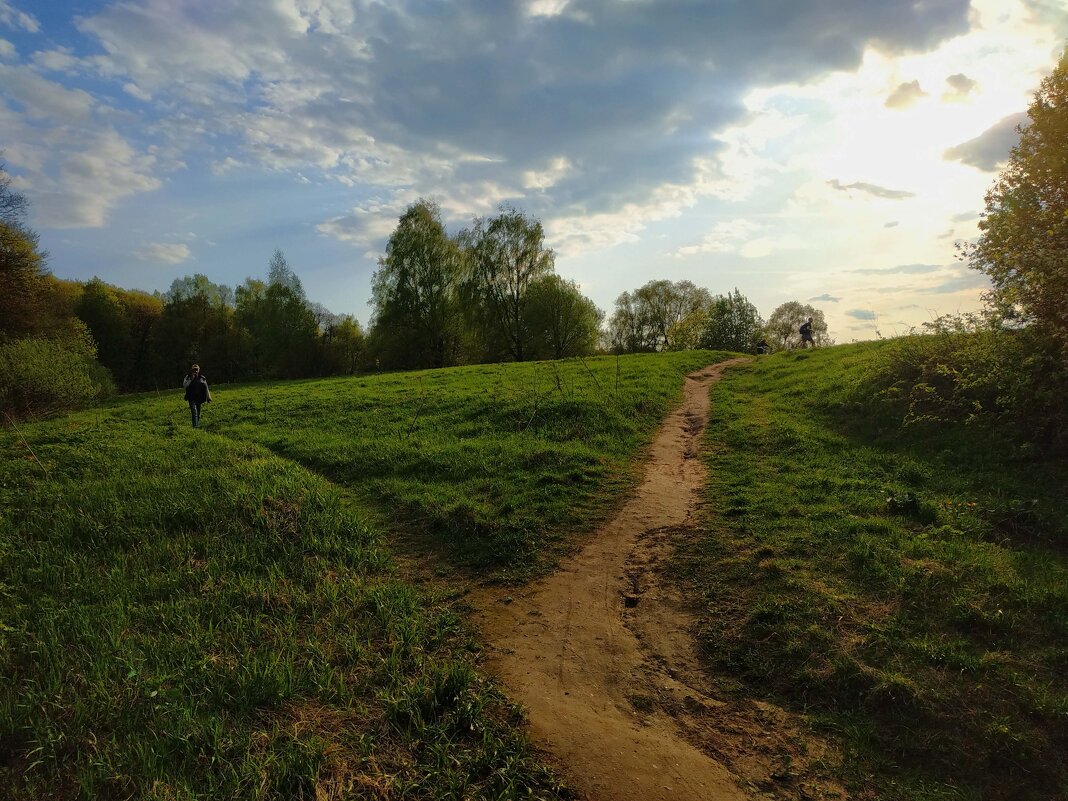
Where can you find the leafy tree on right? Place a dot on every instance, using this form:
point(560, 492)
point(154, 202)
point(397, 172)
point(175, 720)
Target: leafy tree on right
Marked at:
point(1023, 245)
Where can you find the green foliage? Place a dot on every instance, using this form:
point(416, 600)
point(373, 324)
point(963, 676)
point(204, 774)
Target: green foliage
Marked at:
point(906, 590)
point(197, 618)
point(731, 323)
point(562, 321)
point(282, 331)
point(1023, 245)
point(971, 369)
point(783, 326)
point(44, 377)
point(651, 318)
point(506, 254)
point(344, 346)
point(21, 266)
point(415, 293)
point(496, 465)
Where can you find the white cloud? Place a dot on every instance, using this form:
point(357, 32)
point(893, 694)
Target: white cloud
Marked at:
point(133, 90)
point(60, 60)
point(164, 253)
point(556, 169)
point(725, 237)
point(43, 99)
point(13, 18)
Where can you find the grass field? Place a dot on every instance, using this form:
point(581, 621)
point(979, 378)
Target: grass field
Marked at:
point(905, 589)
point(215, 613)
point(499, 464)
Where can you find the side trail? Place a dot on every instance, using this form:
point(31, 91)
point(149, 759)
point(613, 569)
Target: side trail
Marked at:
point(600, 652)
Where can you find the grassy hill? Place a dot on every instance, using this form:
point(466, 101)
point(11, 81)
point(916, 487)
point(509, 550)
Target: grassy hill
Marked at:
point(215, 613)
point(218, 613)
point(904, 587)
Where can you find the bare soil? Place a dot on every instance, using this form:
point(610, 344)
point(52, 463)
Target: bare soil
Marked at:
point(601, 655)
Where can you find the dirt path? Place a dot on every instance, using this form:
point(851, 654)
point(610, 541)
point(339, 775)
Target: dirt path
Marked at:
point(600, 653)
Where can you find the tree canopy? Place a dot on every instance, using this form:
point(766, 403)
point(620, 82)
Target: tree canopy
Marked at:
point(783, 325)
point(415, 292)
point(732, 323)
point(1023, 244)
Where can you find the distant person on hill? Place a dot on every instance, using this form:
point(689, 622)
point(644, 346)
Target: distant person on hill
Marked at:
point(762, 347)
point(196, 392)
point(806, 334)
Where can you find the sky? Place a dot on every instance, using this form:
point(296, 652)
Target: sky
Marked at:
point(827, 151)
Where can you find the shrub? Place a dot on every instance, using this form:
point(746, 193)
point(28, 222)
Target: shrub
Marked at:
point(46, 377)
point(971, 369)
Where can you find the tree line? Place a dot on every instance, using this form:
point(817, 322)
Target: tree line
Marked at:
point(489, 293)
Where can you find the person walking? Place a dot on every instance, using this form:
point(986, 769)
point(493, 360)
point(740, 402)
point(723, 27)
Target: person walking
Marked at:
point(196, 392)
point(806, 334)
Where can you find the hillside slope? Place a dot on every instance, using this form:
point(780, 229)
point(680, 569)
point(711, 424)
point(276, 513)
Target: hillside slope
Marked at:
point(905, 588)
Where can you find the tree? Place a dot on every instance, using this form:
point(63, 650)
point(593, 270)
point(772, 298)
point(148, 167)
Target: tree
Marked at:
point(665, 303)
point(100, 309)
point(783, 326)
point(627, 328)
point(344, 344)
point(733, 323)
point(415, 290)
point(192, 285)
point(200, 328)
point(279, 274)
point(651, 317)
point(22, 265)
point(506, 255)
point(282, 332)
point(562, 321)
point(1023, 244)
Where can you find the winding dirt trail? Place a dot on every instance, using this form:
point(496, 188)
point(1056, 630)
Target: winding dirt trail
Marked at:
point(600, 652)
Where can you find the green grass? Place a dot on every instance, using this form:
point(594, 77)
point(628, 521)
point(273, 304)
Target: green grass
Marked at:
point(214, 613)
point(502, 465)
point(906, 589)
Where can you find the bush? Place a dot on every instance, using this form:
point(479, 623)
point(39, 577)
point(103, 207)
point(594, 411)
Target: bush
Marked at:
point(971, 369)
point(46, 377)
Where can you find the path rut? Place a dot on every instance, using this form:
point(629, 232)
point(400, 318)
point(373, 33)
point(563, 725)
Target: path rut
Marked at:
point(585, 648)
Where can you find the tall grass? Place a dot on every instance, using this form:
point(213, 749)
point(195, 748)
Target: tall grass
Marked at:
point(972, 370)
point(499, 464)
point(906, 588)
point(197, 614)
point(189, 617)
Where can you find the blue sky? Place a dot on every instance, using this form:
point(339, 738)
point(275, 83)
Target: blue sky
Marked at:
point(831, 149)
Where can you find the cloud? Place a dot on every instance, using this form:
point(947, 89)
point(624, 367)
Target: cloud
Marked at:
point(13, 18)
point(861, 314)
point(133, 90)
point(75, 166)
point(991, 148)
point(725, 237)
point(471, 99)
point(871, 189)
point(971, 279)
point(960, 86)
point(825, 297)
point(905, 95)
point(893, 224)
point(965, 216)
point(7, 50)
point(906, 269)
point(164, 253)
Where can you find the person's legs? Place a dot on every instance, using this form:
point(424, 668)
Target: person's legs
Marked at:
point(194, 409)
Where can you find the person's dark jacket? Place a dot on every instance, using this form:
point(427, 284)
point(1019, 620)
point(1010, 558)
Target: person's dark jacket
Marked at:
point(196, 391)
